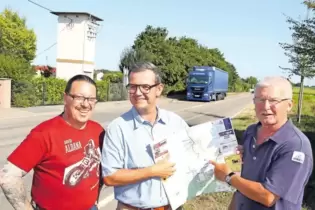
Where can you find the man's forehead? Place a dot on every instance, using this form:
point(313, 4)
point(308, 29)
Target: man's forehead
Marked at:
point(82, 86)
point(270, 92)
point(145, 75)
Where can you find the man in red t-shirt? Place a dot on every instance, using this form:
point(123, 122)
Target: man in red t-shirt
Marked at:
point(65, 154)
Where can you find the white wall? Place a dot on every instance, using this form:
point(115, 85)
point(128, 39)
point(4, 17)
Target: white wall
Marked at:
point(74, 44)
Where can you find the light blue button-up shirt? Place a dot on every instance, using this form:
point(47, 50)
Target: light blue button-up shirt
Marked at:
point(127, 146)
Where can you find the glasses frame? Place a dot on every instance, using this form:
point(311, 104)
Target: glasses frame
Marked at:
point(82, 99)
point(140, 86)
point(275, 101)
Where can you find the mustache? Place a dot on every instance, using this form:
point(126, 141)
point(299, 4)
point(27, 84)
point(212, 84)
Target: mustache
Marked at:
point(83, 107)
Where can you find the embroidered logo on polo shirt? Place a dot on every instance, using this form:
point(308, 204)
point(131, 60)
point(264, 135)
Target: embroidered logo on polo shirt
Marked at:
point(298, 157)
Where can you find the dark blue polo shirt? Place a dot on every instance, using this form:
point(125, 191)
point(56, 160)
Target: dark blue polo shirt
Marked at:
point(282, 164)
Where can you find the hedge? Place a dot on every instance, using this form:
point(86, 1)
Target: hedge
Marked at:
point(49, 91)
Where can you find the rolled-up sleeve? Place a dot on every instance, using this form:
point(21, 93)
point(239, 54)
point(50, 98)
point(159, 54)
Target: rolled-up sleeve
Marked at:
point(288, 175)
point(112, 151)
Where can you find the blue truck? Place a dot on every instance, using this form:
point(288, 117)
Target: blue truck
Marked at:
point(206, 83)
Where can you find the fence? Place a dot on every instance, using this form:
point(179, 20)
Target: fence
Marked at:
point(115, 92)
point(26, 93)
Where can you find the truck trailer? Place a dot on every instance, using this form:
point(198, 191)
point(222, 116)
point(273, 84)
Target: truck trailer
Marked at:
point(206, 83)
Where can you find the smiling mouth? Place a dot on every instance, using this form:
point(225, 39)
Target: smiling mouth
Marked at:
point(84, 111)
point(266, 115)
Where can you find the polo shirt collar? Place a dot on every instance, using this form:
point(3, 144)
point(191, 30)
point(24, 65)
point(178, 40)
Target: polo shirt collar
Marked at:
point(138, 120)
point(278, 135)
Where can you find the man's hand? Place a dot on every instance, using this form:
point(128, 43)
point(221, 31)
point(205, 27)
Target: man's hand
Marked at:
point(221, 170)
point(240, 150)
point(163, 169)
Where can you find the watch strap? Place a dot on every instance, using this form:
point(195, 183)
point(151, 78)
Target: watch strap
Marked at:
point(228, 177)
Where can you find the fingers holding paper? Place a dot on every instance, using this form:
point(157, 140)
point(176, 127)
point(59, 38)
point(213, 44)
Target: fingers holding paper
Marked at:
point(164, 168)
point(221, 170)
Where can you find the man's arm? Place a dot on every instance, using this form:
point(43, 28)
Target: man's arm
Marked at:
point(13, 188)
point(254, 191)
point(162, 169)
point(113, 160)
point(127, 176)
point(287, 176)
point(20, 162)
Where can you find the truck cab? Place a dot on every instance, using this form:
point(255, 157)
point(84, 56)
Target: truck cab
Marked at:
point(206, 83)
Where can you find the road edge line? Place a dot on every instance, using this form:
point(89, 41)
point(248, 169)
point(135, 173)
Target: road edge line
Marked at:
point(106, 200)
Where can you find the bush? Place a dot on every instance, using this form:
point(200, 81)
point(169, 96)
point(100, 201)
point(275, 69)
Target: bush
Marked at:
point(102, 90)
point(113, 77)
point(50, 89)
point(23, 94)
point(37, 91)
point(15, 69)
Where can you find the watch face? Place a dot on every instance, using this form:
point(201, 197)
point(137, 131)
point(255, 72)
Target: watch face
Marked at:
point(227, 178)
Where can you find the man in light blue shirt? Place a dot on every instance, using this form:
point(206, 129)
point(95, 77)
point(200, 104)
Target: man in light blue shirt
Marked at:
point(127, 158)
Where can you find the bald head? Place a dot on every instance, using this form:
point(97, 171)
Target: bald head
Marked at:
point(281, 84)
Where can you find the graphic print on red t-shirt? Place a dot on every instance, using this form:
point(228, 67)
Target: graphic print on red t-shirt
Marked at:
point(66, 164)
point(81, 170)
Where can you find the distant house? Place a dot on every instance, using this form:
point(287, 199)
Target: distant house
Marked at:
point(45, 71)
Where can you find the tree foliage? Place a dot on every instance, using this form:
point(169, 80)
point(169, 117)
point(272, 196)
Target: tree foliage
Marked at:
point(251, 81)
point(301, 53)
point(15, 68)
point(15, 38)
point(176, 56)
point(130, 56)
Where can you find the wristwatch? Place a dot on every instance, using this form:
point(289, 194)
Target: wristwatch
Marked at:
point(228, 177)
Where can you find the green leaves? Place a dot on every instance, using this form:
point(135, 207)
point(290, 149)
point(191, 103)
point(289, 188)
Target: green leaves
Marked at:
point(15, 38)
point(301, 53)
point(175, 56)
point(15, 68)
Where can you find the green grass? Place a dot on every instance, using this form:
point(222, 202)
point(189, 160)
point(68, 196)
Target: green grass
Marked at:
point(218, 201)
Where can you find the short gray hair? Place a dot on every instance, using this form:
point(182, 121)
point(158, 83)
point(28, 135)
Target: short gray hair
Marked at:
point(277, 81)
point(143, 66)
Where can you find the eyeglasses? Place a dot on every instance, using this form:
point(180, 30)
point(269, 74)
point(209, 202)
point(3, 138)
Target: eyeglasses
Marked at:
point(271, 101)
point(81, 99)
point(145, 89)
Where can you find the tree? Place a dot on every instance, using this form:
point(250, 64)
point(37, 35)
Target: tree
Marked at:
point(301, 53)
point(130, 56)
point(176, 56)
point(15, 68)
point(252, 81)
point(15, 38)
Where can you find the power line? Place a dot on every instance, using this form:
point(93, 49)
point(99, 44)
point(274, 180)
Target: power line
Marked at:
point(48, 48)
point(40, 6)
point(52, 45)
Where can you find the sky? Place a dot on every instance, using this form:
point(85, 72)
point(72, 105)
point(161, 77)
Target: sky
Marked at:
point(247, 32)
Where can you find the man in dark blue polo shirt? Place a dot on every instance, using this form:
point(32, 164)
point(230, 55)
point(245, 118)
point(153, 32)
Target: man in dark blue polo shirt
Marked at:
point(277, 156)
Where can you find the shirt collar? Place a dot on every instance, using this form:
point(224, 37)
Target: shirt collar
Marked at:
point(138, 120)
point(279, 134)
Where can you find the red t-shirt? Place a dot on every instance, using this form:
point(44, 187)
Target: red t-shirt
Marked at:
point(65, 162)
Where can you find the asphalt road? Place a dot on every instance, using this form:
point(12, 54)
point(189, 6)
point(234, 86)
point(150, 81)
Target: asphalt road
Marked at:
point(16, 123)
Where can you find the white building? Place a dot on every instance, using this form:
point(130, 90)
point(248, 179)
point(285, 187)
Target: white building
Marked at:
point(76, 40)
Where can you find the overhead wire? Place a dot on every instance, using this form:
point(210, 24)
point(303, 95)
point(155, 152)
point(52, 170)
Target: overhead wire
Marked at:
point(55, 43)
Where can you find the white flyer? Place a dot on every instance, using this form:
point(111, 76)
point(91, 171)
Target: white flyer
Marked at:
point(191, 151)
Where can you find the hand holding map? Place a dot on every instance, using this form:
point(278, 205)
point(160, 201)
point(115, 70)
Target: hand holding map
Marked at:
point(191, 150)
point(163, 168)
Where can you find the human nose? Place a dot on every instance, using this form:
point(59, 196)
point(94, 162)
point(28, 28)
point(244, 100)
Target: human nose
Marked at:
point(85, 102)
point(138, 91)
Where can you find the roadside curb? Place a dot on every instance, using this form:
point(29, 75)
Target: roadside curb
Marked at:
point(239, 112)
